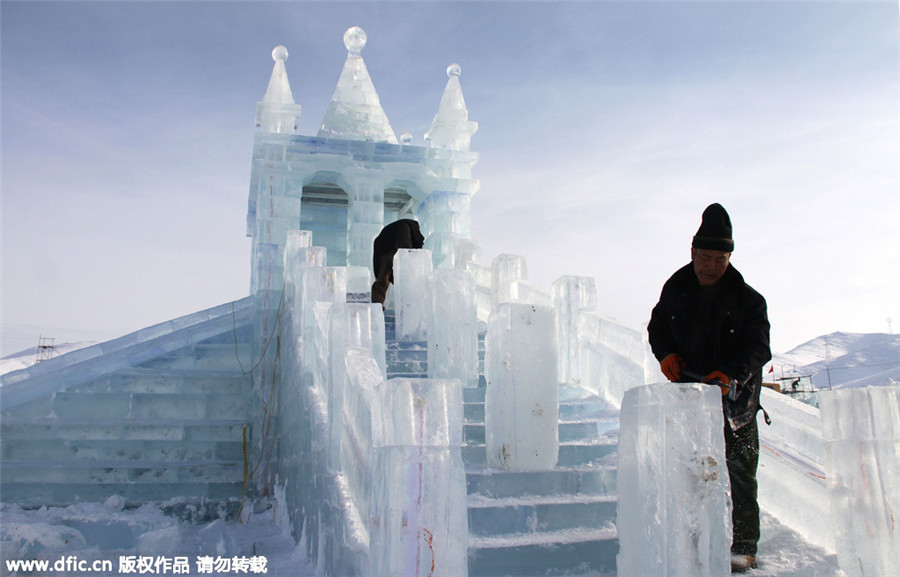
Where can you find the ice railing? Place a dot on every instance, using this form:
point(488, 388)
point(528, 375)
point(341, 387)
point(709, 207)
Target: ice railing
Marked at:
point(370, 470)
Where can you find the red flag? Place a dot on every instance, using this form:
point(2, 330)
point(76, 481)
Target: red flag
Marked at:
point(772, 369)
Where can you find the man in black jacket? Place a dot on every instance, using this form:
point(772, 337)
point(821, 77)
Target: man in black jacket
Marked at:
point(709, 322)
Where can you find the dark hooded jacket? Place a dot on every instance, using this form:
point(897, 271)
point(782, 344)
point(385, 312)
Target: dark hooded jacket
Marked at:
point(720, 328)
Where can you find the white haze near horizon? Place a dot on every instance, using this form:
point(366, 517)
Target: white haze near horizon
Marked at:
point(605, 129)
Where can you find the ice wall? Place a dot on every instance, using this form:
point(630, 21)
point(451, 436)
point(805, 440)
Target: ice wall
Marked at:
point(521, 402)
point(674, 514)
point(862, 455)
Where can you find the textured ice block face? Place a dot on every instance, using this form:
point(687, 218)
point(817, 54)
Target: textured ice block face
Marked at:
point(412, 267)
point(352, 325)
point(521, 401)
point(420, 525)
point(452, 323)
point(862, 463)
point(419, 507)
point(420, 412)
point(674, 514)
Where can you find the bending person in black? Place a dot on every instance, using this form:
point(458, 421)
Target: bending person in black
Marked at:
point(403, 233)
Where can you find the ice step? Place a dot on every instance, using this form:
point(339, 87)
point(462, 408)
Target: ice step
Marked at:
point(49, 428)
point(205, 357)
point(569, 431)
point(570, 552)
point(143, 380)
point(161, 451)
point(122, 405)
point(519, 516)
point(570, 455)
point(498, 484)
point(51, 483)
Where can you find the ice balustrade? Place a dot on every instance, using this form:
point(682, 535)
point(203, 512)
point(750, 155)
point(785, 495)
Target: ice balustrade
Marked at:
point(791, 470)
point(862, 457)
point(674, 516)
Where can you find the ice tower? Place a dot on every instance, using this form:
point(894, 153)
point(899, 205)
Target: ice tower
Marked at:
point(353, 177)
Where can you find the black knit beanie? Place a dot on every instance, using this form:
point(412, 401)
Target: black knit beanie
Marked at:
point(715, 230)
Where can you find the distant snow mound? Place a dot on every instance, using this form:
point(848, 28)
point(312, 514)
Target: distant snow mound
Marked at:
point(844, 360)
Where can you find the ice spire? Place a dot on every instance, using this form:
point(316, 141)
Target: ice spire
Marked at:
point(355, 112)
point(277, 111)
point(451, 127)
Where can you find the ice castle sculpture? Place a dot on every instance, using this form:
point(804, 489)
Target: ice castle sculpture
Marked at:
point(471, 428)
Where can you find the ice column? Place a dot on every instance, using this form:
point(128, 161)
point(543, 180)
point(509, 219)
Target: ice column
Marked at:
point(674, 513)
point(452, 323)
point(570, 295)
point(420, 525)
point(521, 402)
point(412, 268)
point(352, 325)
point(862, 463)
point(320, 288)
point(506, 271)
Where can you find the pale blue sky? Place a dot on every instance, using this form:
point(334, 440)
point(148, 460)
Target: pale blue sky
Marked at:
point(605, 129)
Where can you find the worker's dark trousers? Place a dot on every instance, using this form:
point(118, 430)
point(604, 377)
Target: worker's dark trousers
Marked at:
point(742, 455)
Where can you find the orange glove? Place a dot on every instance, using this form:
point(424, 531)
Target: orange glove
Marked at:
point(671, 366)
point(721, 377)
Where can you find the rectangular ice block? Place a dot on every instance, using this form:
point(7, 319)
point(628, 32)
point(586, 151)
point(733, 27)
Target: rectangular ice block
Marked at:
point(452, 324)
point(674, 510)
point(862, 464)
point(521, 400)
point(412, 267)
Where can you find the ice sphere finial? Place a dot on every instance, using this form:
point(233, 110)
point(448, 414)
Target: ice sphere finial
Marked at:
point(280, 53)
point(355, 39)
point(451, 128)
point(406, 137)
point(277, 111)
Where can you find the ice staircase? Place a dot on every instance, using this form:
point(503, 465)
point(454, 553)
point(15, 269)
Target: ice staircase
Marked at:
point(156, 415)
point(557, 522)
